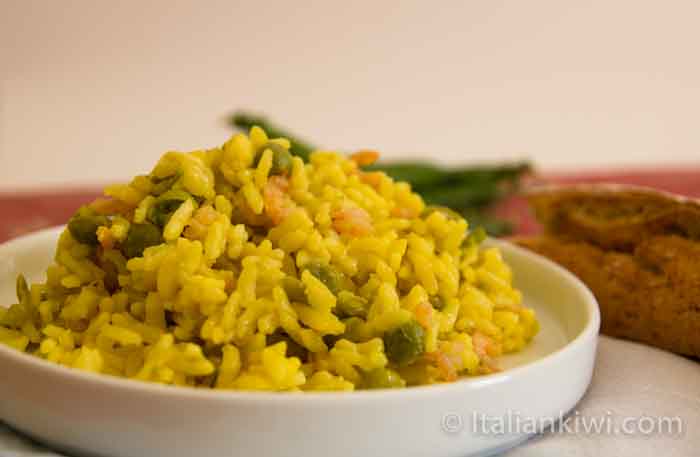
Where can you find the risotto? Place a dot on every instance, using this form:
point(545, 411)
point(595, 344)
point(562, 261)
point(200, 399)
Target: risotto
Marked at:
point(243, 267)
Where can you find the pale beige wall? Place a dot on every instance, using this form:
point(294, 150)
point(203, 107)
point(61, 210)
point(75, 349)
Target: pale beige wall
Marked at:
point(95, 90)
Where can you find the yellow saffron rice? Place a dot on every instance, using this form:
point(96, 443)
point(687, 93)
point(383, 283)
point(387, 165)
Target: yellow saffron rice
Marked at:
point(242, 267)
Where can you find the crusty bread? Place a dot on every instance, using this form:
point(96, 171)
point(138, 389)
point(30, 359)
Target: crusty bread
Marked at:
point(639, 252)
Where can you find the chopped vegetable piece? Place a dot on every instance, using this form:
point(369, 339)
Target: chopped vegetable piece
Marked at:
point(83, 226)
point(294, 289)
point(281, 159)
point(328, 275)
point(404, 344)
point(364, 157)
point(162, 185)
point(382, 378)
point(475, 237)
point(463, 194)
point(492, 225)
point(351, 305)
point(139, 238)
point(165, 206)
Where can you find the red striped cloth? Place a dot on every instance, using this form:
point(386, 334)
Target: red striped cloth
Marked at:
point(29, 211)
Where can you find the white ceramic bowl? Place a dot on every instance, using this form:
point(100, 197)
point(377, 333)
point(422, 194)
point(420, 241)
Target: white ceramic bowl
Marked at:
point(91, 414)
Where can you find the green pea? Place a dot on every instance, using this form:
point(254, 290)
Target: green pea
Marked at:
point(351, 305)
point(281, 158)
point(161, 211)
point(382, 378)
point(140, 237)
point(353, 331)
point(83, 227)
point(281, 161)
point(164, 207)
point(162, 185)
point(294, 288)
point(404, 344)
point(329, 276)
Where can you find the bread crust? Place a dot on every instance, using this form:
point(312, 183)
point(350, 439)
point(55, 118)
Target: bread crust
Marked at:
point(637, 249)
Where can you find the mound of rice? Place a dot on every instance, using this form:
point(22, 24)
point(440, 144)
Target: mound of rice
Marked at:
point(242, 267)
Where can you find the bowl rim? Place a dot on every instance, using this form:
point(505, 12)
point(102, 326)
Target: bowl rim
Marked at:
point(588, 333)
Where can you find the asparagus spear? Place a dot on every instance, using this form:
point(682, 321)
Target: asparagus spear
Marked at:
point(461, 195)
point(245, 121)
point(421, 175)
point(468, 190)
point(424, 175)
point(492, 225)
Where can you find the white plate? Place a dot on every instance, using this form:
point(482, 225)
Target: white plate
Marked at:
point(106, 416)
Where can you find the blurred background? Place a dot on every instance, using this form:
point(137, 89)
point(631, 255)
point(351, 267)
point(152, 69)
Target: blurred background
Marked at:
point(93, 92)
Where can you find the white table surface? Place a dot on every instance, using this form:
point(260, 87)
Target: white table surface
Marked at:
point(630, 381)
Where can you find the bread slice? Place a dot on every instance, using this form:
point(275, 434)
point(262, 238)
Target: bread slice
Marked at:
point(637, 249)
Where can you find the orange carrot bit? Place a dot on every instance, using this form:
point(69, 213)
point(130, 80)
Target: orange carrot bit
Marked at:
point(104, 236)
point(445, 367)
point(365, 157)
point(424, 314)
point(352, 221)
point(372, 178)
point(277, 203)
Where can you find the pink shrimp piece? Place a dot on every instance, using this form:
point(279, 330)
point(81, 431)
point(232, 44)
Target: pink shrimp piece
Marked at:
point(488, 365)
point(354, 222)
point(442, 362)
point(280, 182)
point(206, 215)
point(403, 213)
point(481, 344)
point(277, 202)
point(455, 352)
point(200, 222)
